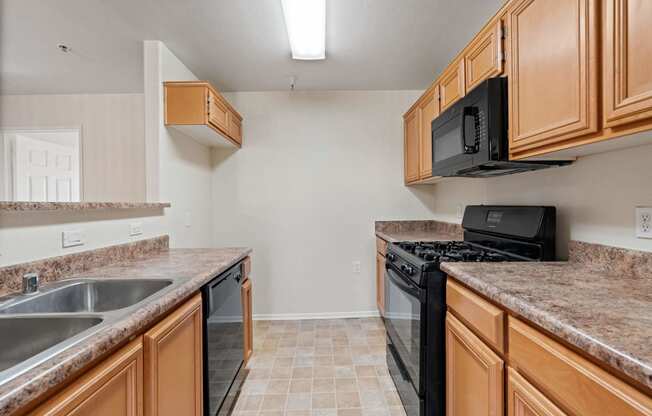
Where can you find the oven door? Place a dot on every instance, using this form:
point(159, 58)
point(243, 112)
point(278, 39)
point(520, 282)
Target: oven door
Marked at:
point(405, 322)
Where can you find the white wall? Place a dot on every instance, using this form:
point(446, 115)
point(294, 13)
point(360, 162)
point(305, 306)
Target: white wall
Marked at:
point(595, 198)
point(315, 171)
point(29, 236)
point(178, 168)
point(113, 138)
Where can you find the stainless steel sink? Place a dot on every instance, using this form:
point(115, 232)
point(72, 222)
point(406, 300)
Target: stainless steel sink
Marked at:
point(84, 296)
point(38, 326)
point(25, 336)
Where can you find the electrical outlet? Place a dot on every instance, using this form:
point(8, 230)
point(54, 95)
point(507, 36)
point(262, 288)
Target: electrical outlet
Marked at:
point(135, 228)
point(72, 238)
point(357, 266)
point(460, 212)
point(644, 222)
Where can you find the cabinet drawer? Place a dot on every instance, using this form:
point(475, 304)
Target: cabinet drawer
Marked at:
point(569, 379)
point(381, 246)
point(484, 318)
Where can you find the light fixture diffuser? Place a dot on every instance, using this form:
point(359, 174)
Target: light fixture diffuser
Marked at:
point(305, 21)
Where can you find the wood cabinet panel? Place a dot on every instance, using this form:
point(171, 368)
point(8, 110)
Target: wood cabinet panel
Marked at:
point(113, 388)
point(411, 146)
point(217, 113)
point(570, 380)
point(173, 363)
point(474, 374)
point(428, 110)
point(523, 399)
point(381, 246)
point(248, 320)
point(484, 56)
point(235, 127)
point(553, 71)
point(627, 61)
point(485, 318)
point(380, 283)
point(451, 84)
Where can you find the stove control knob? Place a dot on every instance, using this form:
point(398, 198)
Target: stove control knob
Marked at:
point(391, 257)
point(409, 270)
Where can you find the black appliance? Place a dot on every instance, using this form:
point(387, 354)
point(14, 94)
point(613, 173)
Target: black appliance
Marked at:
point(469, 139)
point(223, 341)
point(415, 292)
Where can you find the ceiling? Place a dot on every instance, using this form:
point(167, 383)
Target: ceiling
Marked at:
point(239, 45)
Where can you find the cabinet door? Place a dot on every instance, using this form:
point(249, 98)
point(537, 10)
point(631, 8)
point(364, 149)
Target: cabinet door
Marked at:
point(248, 320)
point(411, 146)
point(235, 127)
point(113, 388)
point(380, 283)
point(553, 78)
point(627, 61)
point(484, 56)
point(451, 84)
point(525, 400)
point(217, 113)
point(428, 110)
point(173, 363)
point(474, 374)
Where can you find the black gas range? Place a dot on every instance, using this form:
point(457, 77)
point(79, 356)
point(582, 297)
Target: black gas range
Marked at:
point(415, 292)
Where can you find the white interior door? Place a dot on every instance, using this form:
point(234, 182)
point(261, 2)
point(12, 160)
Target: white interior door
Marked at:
point(44, 170)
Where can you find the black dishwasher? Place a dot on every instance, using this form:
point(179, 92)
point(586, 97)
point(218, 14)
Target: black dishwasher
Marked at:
point(223, 341)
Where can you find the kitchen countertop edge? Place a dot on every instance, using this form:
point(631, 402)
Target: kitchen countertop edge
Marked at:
point(598, 350)
point(49, 375)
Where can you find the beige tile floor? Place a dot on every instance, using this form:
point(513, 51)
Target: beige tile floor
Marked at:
point(332, 367)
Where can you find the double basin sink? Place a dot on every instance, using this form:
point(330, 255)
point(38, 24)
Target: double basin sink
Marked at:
point(38, 326)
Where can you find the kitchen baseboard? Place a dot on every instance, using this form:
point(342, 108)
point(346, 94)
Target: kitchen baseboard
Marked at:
point(325, 315)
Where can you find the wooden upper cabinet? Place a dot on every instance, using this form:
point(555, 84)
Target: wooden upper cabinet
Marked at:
point(484, 56)
point(474, 374)
point(248, 320)
point(411, 145)
point(201, 112)
point(113, 388)
point(553, 72)
point(173, 363)
point(523, 399)
point(627, 61)
point(428, 110)
point(451, 84)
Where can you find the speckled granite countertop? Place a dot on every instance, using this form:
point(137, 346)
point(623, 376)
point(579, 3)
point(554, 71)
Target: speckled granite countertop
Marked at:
point(426, 230)
point(193, 267)
point(608, 315)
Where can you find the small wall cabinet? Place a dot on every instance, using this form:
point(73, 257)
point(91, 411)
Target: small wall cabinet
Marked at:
point(201, 112)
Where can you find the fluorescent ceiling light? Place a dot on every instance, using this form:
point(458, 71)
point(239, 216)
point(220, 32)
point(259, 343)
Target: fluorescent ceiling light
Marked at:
point(305, 21)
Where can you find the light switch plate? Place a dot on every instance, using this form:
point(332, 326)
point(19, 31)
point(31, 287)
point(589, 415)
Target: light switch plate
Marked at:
point(357, 266)
point(72, 238)
point(135, 228)
point(644, 222)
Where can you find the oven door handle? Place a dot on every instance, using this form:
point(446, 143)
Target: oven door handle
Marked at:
point(407, 287)
point(470, 112)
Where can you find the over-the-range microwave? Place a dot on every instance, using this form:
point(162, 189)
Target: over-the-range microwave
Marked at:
point(469, 139)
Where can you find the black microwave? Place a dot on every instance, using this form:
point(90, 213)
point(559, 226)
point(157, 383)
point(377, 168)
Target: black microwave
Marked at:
point(469, 139)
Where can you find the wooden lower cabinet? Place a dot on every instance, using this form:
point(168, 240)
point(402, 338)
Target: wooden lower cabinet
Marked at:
point(112, 388)
point(523, 399)
point(173, 363)
point(380, 283)
point(248, 320)
point(474, 374)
